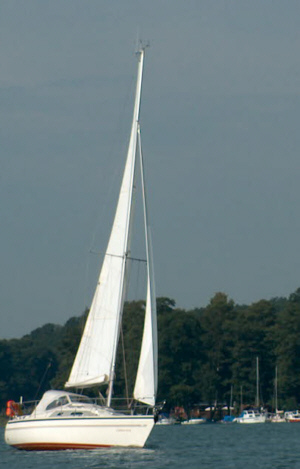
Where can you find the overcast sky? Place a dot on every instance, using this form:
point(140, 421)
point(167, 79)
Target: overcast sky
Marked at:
point(220, 128)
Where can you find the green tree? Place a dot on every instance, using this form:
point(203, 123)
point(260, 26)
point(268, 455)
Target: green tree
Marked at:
point(287, 337)
point(217, 325)
point(254, 338)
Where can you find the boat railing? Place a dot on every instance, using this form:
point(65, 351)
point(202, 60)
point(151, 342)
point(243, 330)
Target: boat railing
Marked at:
point(124, 405)
point(22, 408)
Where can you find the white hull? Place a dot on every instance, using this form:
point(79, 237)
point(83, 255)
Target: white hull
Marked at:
point(78, 433)
point(277, 420)
point(194, 422)
point(166, 421)
point(251, 421)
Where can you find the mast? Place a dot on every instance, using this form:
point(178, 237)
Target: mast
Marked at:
point(276, 391)
point(241, 398)
point(257, 383)
point(231, 395)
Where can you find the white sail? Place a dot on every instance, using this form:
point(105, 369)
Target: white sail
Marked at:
point(95, 359)
point(146, 379)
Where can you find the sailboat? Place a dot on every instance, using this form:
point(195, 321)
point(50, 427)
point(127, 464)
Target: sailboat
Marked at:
point(70, 420)
point(253, 415)
point(278, 417)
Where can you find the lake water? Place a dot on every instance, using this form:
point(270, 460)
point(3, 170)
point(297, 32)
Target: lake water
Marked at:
point(267, 446)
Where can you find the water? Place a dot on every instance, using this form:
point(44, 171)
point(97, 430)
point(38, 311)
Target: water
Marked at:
point(267, 446)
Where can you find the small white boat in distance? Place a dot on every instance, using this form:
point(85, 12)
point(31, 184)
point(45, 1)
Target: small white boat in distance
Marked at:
point(278, 417)
point(251, 416)
point(166, 420)
point(195, 421)
point(292, 416)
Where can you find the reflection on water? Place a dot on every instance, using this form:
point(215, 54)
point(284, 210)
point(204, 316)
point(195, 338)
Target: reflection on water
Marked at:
point(262, 446)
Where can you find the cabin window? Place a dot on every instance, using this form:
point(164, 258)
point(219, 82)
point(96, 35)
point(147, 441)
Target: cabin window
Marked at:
point(58, 403)
point(81, 399)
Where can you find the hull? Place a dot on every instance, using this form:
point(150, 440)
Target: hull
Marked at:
point(277, 419)
point(251, 421)
point(194, 422)
point(78, 433)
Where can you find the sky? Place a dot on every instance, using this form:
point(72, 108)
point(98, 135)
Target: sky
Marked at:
point(220, 130)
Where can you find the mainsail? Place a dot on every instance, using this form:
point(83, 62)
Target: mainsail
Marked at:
point(95, 360)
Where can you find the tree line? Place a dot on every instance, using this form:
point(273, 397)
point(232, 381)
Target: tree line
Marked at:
point(205, 354)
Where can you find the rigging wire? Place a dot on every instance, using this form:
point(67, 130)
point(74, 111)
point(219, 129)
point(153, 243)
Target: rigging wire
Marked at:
point(43, 379)
point(125, 368)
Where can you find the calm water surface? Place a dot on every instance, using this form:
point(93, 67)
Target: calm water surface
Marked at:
point(268, 446)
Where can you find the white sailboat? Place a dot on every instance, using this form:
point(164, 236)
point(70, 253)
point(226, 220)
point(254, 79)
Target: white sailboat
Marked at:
point(66, 420)
point(253, 415)
point(278, 417)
